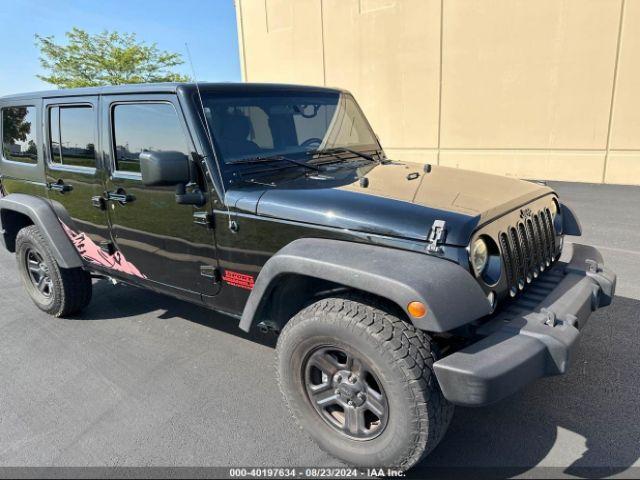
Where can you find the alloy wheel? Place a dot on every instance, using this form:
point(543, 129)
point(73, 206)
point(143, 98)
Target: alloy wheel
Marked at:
point(345, 392)
point(39, 272)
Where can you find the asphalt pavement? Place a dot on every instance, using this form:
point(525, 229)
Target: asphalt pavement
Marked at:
point(140, 379)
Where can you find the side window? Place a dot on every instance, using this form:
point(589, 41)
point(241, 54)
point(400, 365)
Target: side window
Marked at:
point(72, 137)
point(19, 134)
point(145, 127)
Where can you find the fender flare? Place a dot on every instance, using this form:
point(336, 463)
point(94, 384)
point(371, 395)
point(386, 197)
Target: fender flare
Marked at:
point(570, 223)
point(452, 296)
point(42, 215)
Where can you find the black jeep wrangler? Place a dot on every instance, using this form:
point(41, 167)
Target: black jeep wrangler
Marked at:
point(397, 290)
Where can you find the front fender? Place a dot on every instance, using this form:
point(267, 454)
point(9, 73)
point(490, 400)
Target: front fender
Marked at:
point(451, 294)
point(570, 223)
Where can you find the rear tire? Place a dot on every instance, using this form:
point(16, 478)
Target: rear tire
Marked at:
point(390, 388)
point(58, 291)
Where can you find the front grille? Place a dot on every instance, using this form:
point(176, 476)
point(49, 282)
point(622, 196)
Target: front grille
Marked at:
point(528, 247)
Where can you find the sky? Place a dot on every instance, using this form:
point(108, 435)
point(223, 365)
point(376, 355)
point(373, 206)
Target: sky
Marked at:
point(208, 26)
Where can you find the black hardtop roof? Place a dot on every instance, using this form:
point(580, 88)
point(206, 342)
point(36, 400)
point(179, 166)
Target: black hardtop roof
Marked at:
point(167, 88)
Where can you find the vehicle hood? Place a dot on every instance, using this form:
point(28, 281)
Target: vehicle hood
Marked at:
point(397, 199)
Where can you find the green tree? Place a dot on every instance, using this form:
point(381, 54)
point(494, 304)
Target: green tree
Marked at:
point(31, 148)
point(15, 126)
point(107, 58)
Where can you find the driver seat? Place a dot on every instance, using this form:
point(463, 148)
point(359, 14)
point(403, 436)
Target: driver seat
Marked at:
point(234, 134)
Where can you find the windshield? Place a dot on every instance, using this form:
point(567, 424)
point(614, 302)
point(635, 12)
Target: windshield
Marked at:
point(285, 123)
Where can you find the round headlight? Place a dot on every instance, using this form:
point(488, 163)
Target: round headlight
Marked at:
point(479, 255)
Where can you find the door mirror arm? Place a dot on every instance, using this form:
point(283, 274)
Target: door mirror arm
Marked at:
point(195, 197)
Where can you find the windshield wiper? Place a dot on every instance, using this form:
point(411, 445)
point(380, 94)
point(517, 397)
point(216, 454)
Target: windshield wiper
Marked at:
point(333, 151)
point(275, 158)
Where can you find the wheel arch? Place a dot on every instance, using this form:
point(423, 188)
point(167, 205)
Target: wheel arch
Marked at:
point(12, 222)
point(19, 210)
point(289, 293)
point(308, 268)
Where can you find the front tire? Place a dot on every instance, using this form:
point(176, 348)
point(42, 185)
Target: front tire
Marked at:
point(57, 291)
point(359, 380)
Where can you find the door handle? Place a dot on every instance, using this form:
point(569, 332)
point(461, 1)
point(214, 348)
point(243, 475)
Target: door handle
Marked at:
point(120, 196)
point(60, 186)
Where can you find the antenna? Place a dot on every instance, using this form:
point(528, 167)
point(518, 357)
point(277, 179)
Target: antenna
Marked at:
point(209, 137)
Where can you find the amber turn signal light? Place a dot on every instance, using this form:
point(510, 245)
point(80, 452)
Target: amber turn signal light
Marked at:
point(417, 309)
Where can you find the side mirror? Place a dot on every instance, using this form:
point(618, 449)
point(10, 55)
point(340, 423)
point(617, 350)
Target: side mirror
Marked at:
point(164, 168)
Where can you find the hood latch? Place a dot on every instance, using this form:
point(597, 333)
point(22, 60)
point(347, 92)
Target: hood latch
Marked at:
point(436, 236)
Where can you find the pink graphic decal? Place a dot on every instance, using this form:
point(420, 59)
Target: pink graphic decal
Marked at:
point(94, 254)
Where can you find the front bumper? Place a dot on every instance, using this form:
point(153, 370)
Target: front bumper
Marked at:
point(531, 337)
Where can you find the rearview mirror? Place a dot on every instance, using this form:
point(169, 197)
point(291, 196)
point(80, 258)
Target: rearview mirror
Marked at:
point(164, 168)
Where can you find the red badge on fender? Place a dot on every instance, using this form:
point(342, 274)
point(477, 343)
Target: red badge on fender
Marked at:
point(237, 279)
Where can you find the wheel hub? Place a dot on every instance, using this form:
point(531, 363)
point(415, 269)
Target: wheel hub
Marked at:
point(346, 392)
point(349, 388)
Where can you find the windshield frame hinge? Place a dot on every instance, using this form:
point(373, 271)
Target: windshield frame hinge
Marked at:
point(436, 236)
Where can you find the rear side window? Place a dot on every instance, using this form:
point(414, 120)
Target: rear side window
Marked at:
point(144, 127)
point(72, 135)
point(19, 134)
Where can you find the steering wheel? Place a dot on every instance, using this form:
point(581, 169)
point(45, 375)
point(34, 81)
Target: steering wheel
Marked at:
point(310, 141)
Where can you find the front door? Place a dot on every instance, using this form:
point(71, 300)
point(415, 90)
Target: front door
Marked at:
point(156, 238)
point(73, 176)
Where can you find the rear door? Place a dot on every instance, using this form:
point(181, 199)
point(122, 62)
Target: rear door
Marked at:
point(158, 239)
point(72, 174)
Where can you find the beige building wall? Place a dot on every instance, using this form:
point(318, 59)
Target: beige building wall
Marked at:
point(533, 89)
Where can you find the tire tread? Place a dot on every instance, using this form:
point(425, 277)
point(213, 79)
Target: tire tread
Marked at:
point(411, 348)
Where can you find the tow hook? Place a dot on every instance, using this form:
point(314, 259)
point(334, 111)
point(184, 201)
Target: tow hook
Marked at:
point(549, 317)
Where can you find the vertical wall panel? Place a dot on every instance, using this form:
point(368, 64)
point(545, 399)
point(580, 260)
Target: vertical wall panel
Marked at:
point(282, 40)
point(387, 53)
point(625, 131)
point(522, 74)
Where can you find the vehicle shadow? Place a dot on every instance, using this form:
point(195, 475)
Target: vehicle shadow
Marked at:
point(124, 301)
point(583, 424)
